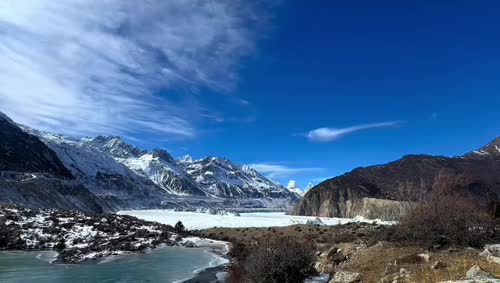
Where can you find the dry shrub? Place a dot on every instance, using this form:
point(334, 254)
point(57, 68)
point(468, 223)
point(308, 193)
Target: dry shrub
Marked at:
point(445, 217)
point(280, 260)
point(411, 192)
point(237, 274)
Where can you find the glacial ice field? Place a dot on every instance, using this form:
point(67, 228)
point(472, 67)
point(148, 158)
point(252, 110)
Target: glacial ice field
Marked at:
point(202, 220)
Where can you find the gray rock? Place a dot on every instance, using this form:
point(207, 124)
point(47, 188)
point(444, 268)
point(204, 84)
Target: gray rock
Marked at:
point(476, 272)
point(346, 277)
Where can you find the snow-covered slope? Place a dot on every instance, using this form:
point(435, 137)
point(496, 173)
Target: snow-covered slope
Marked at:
point(222, 178)
point(133, 177)
point(101, 173)
point(292, 187)
point(214, 177)
point(157, 165)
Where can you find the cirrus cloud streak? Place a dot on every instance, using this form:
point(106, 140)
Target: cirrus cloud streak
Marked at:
point(280, 171)
point(87, 67)
point(333, 134)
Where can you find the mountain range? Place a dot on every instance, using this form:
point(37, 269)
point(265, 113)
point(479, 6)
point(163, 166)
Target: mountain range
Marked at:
point(41, 169)
point(374, 192)
point(105, 174)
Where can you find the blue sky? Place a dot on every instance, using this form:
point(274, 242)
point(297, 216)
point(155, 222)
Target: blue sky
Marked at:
point(252, 83)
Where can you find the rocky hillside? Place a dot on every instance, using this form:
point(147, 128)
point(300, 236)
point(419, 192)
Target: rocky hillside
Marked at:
point(353, 193)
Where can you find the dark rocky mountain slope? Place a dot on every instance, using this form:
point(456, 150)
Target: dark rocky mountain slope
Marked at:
point(22, 152)
point(32, 175)
point(374, 191)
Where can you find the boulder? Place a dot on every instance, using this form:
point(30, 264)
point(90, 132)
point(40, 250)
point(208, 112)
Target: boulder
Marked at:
point(476, 272)
point(492, 253)
point(346, 277)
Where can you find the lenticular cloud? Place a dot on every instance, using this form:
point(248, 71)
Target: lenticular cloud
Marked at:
point(88, 67)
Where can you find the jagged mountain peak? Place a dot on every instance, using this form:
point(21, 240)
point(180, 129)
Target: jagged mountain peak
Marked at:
point(186, 159)
point(115, 146)
point(222, 177)
point(250, 170)
point(163, 155)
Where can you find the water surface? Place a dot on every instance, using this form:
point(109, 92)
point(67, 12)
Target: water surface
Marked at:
point(169, 264)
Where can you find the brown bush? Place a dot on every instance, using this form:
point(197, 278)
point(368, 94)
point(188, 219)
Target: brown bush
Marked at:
point(280, 260)
point(237, 274)
point(446, 217)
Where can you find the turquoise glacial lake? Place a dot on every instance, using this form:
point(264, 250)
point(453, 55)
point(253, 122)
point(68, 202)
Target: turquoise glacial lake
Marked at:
point(168, 264)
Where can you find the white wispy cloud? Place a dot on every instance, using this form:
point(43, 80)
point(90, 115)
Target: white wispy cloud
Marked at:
point(87, 67)
point(281, 171)
point(332, 134)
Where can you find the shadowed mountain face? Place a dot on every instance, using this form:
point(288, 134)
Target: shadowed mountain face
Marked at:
point(32, 175)
point(22, 152)
point(342, 196)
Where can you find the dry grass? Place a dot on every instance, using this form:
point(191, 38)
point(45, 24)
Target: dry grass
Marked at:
point(373, 261)
point(378, 261)
point(307, 233)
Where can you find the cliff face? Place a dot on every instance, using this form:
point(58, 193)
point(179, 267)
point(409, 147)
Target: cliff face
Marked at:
point(372, 208)
point(368, 191)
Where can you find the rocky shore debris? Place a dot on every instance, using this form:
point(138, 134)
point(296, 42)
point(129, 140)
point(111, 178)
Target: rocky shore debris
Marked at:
point(78, 236)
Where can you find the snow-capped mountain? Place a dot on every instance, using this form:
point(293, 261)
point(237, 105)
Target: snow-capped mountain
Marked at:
point(111, 156)
point(120, 176)
point(158, 165)
point(292, 186)
point(213, 177)
point(102, 174)
point(222, 178)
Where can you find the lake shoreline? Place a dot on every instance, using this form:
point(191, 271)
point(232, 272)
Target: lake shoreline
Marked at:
point(208, 261)
point(219, 249)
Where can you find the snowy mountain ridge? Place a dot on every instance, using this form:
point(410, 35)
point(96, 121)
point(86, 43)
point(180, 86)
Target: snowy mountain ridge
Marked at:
point(292, 186)
point(221, 177)
point(206, 177)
